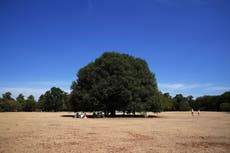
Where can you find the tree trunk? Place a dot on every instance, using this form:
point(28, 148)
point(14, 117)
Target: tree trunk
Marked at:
point(106, 113)
point(134, 113)
point(113, 113)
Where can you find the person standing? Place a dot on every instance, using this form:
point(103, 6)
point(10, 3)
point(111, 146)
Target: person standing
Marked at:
point(198, 112)
point(192, 112)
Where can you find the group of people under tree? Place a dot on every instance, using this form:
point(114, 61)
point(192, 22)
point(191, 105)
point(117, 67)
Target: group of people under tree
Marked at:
point(99, 114)
point(80, 115)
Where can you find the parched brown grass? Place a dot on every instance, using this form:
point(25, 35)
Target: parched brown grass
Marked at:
point(170, 132)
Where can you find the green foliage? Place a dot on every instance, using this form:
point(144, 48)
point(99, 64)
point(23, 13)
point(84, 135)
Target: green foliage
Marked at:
point(29, 105)
point(40, 103)
point(208, 103)
point(1, 105)
point(166, 101)
point(225, 106)
point(20, 100)
point(13, 106)
point(53, 100)
point(115, 82)
point(8, 104)
point(214, 103)
point(7, 96)
point(4, 106)
point(180, 103)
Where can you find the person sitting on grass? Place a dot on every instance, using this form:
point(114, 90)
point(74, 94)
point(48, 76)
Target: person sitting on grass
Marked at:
point(81, 115)
point(84, 116)
point(76, 115)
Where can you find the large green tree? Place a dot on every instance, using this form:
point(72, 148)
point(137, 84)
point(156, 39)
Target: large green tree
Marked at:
point(115, 82)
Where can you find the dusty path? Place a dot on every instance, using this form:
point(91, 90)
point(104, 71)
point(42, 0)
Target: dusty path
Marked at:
point(171, 132)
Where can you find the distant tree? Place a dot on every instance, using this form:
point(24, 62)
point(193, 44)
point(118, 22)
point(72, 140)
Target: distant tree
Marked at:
point(192, 103)
point(180, 103)
point(13, 106)
point(7, 96)
point(115, 82)
point(4, 105)
point(53, 100)
point(8, 103)
point(166, 101)
point(29, 105)
point(20, 100)
point(1, 105)
point(225, 97)
point(214, 103)
point(225, 101)
point(225, 107)
point(208, 103)
point(40, 103)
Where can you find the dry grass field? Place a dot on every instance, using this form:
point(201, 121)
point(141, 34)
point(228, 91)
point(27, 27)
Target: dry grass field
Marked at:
point(170, 132)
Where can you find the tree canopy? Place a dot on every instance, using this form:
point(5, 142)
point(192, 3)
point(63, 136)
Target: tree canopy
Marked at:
point(214, 103)
point(115, 82)
point(53, 100)
point(29, 105)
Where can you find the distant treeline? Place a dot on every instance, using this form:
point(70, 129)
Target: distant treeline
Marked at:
point(57, 100)
point(52, 101)
point(204, 103)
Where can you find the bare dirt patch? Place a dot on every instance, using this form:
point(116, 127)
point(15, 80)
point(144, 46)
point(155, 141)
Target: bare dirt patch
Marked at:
point(170, 132)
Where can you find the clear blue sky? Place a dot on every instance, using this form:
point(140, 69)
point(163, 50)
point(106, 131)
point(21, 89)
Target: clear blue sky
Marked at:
point(43, 43)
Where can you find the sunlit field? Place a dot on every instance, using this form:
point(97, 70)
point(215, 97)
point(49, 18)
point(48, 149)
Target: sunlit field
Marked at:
point(168, 132)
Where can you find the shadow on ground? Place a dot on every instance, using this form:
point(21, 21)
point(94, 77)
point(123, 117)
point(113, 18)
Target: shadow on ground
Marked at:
point(117, 116)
